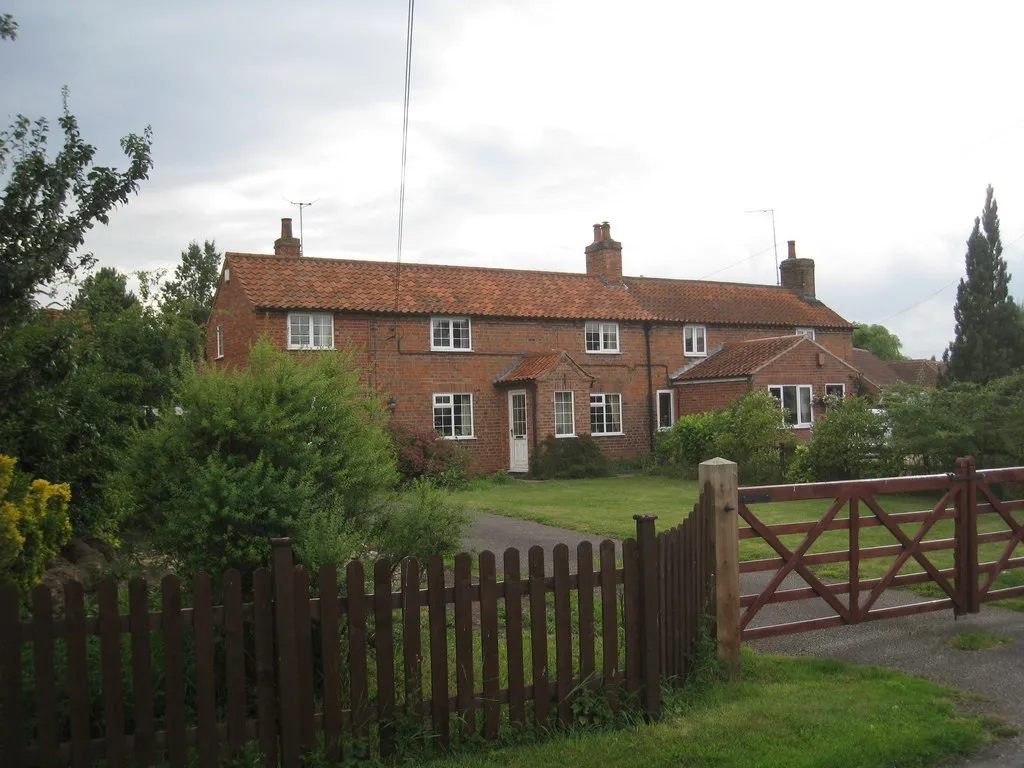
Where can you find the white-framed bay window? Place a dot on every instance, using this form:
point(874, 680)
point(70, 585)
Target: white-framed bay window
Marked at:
point(795, 401)
point(453, 415)
point(309, 330)
point(450, 334)
point(606, 414)
point(565, 414)
point(601, 337)
point(666, 409)
point(695, 341)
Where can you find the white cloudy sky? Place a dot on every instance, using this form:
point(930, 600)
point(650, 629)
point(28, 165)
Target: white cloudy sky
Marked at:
point(872, 129)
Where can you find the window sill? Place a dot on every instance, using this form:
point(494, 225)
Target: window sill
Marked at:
point(450, 349)
point(603, 351)
point(607, 434)
point(572, 435)
point(458, 439)
point(695, 354)
point(309, 349)
point(219, 357)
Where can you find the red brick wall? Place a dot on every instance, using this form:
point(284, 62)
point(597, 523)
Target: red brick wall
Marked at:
point(395, 358)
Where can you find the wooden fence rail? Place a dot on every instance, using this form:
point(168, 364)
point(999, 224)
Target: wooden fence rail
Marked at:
point(153, 676)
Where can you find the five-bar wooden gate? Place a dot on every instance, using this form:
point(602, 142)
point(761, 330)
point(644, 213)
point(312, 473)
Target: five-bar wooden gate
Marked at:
point(980, 520)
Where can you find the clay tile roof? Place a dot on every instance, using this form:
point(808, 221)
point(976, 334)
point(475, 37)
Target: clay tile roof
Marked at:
point(740, 358)
point(369, 286)
point(703, 301)
point(529, 368)
point(924, 373)
point(879, 372)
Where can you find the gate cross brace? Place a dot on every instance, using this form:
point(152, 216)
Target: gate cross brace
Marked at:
point(1017, 538)
point(794, 561)
point(911, 547)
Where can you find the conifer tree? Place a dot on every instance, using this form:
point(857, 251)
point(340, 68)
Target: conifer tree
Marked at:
point(989, 340)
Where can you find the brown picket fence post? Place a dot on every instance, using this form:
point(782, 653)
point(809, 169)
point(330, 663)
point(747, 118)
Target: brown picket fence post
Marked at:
point(650, 633)
point(287, 651)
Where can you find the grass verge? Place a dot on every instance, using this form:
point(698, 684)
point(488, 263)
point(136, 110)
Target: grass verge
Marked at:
point(977, 641)
point(782, 713)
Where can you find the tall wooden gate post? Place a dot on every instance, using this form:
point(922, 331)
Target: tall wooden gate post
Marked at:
point(287, 650)
point(965, 555)
point(723, 478)
point(650, 640)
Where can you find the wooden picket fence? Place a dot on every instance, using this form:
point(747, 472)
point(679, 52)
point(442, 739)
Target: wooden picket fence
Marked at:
point(274, 665)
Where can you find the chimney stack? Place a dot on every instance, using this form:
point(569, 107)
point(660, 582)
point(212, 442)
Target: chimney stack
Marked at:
point(604, 255)
point(797, 274)
point(286, 245)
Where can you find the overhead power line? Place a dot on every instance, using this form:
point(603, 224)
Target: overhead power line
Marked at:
point(737, 263)
point(405, 146)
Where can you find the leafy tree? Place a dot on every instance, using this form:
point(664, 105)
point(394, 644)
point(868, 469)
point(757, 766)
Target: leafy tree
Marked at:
point(283, 447)
point(8, 27)
point(190, 293)
point(49, 205)
point(104, 293)
point(848, 442)
point(989, 340)
point(878, 340)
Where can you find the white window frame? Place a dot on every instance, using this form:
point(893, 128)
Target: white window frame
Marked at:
point(600, 328)
point(842, 390)
point(671, 408)
point(446, 400)
point(777, 391)
point(602, 399)
point(808, 332)
point(449, 322)
point(309, 318)
point(572, 412)
point(220, 342)
point(692, 334)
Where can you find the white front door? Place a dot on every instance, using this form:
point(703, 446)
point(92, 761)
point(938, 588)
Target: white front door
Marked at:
point(518, 448)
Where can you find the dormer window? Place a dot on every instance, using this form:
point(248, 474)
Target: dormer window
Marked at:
point(808, 332)
point(450, 334)
point(602, 337)
point(695, 341)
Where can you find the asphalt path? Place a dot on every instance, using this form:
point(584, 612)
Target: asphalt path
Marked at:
point(917, 645)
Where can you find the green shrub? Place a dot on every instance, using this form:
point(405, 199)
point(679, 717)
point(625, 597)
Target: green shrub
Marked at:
point(560, 458)
point(420, 524)
point(749, 432)
point(32, 530)
point(286, 446)
point(424, 453)
point(848, 442)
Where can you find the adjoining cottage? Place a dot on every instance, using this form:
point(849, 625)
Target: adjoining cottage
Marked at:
point(500, 358)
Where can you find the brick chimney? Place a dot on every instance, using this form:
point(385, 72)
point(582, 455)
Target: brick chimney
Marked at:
point(604, 255)
point(797, 274)
point(286, 245)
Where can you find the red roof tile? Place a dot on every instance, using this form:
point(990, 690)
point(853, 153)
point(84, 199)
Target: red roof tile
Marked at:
point(924, 373)
point(272, 282)
point(369, 286)
point(740, 358)
point(877, 371)
point(531, 367)
point(528, 368)
point(703, 301)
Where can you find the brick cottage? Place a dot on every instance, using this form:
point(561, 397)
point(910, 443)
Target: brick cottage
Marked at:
point(500, 358)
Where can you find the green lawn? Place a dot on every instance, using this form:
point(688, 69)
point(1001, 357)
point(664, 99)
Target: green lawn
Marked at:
point(605, 506)
point(783, 713)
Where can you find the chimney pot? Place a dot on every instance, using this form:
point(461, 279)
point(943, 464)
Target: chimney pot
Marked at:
point(604, 255)
point(792, 248)
point(287, 244)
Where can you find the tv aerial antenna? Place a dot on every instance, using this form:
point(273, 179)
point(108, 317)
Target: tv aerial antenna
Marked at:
point(302, 240)
point(775, 243)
